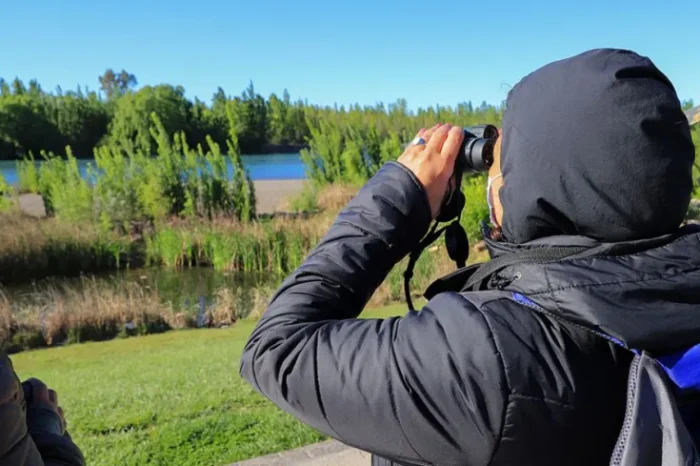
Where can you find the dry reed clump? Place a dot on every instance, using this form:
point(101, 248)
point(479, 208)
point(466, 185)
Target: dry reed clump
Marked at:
point(233, 305)
point(334, 197)
point(96, 311)
point(33, 248)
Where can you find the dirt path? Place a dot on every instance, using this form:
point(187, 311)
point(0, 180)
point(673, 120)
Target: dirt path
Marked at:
point(330, 453)
point(272, 194)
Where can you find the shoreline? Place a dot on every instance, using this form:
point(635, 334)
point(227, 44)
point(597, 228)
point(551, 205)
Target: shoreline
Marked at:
point(270, 197)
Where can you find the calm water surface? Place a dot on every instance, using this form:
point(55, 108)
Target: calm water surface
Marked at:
point(260, 167)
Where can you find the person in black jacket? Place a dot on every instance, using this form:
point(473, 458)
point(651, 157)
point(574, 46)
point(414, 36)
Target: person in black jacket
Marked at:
point(528, 368)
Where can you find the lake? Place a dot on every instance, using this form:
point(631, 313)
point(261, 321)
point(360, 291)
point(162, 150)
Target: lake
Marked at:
point(188, 289)
point(260, 167)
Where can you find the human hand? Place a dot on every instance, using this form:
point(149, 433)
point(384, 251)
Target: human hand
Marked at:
point(38, 395)
point(433, 163)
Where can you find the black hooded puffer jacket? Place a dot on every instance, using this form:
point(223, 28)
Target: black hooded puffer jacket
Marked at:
point(519, 374)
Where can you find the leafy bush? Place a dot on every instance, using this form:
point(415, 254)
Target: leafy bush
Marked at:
point(476, 208)
point(5, 192)
point(28, 175)
point(306, 200)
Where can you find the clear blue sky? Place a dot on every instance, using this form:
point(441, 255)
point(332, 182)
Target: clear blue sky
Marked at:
point(338, 51)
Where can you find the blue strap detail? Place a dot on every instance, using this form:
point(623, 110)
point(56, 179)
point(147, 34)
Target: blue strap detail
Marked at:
point(522, 299)
point(683, 367)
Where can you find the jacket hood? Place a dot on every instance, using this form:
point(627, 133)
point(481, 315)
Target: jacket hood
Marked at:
point(645, 294)
point(595, 145)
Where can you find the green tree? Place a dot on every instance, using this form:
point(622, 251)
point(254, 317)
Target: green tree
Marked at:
point(249, 119)
point(132, 115)
point(116, 84)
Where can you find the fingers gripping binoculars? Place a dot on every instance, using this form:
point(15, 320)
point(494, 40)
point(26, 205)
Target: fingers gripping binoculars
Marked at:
point(475, 155)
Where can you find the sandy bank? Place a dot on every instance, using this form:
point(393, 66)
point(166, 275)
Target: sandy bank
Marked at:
point(271, 196)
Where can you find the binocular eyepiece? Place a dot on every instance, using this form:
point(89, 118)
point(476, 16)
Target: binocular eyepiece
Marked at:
point(476, 152)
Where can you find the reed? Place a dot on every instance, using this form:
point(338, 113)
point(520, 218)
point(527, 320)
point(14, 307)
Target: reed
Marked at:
point(97, 310)
point(33, 248)
point(275, 246)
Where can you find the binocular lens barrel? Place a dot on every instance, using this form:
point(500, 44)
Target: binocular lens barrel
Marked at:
point(476, 152)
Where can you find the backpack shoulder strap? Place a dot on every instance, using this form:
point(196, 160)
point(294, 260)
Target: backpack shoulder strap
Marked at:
point(473, 277)
point(654, 431)
point(538, 255)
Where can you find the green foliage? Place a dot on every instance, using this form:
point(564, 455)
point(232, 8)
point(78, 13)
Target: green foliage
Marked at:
point(133, 116)
point(69, 193)
point(66, 193)
point(349, 146)
point(28, 175)
point(695, 132)
point(117, 187)
point(248, 118)
point(476, 208)
point(323, 158)
point(126, 185)
point(306, 200)
point(243, 187)
point(116, 84)
point(390, 148)
point(32, 120)
point(265, 250)
point(354, 167)
point(5, 191)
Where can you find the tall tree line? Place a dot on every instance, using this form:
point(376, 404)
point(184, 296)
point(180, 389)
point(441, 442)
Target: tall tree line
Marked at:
point(34, 120)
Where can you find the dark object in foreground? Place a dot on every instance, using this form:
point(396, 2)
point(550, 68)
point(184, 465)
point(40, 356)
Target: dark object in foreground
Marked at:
point(31, 434)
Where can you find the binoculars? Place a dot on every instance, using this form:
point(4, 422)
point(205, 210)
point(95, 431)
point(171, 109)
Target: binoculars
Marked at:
point(475, 155)
point(476, 152)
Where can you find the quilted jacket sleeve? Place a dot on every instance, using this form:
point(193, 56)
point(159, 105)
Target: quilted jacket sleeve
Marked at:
point(425, 388)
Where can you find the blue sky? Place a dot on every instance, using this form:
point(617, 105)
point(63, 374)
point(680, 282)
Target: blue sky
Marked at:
point(349, 51)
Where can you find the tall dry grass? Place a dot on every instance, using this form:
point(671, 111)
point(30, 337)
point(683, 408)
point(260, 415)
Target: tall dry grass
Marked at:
point(35, 248)
point(98, 310)
point(334, 197)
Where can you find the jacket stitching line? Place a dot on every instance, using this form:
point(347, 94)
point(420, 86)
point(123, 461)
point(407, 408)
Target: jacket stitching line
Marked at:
point(560, 320)
point(619, 282)
point(390, 384)
point(317, 385)
point(507, 402)
point(630, 254)
point(363, 230)
point(543, 400)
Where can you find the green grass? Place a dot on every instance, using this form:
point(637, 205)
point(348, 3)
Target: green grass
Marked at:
point(169, 399)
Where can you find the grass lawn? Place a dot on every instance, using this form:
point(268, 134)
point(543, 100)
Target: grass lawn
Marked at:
point(169, 399)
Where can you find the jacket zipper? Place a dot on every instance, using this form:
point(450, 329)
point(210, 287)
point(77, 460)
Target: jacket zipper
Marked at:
point(627, 424)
